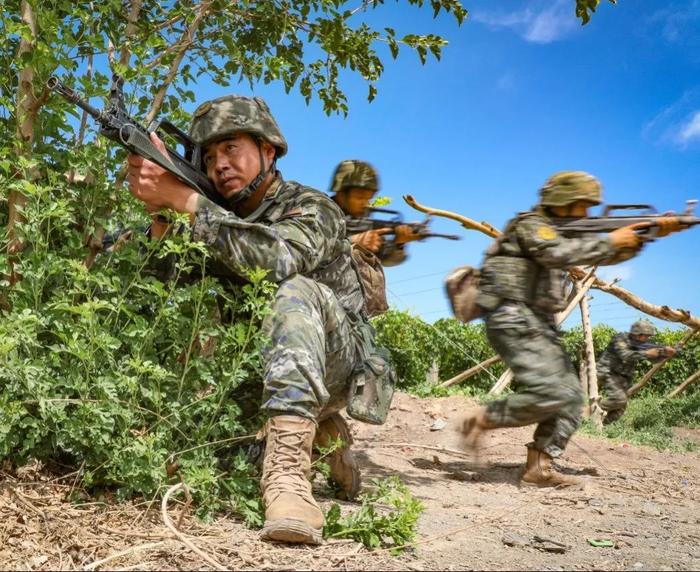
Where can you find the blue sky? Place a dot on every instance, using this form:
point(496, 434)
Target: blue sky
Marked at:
point(522, 91)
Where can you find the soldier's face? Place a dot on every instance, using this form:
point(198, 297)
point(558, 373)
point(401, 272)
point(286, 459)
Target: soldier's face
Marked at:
point(233, 163)
point(355, 201)
point(642, 338)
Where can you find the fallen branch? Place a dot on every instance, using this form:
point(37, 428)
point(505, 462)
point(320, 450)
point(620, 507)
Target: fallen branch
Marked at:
point(131, 550)
point(181, 537)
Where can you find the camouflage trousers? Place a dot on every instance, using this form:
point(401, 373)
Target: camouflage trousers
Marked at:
point(615, 387)
point(547, 390)
point(312, 351)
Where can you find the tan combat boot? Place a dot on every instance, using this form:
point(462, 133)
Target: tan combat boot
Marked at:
point(473, 426)
point(345, 471)
point(291, 513)
point(539, 471)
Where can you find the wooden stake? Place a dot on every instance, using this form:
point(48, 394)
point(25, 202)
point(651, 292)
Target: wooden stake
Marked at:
point(596, 413)
point(683, 386)
point(460, 377)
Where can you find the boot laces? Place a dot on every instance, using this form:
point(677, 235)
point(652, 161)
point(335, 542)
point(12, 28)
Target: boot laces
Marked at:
point(286, 472)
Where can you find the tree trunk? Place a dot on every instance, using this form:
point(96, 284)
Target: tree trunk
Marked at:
point(657, 366)
point(27, 109)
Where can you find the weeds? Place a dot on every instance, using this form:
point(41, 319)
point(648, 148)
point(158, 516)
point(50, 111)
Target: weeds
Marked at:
point(375, 525)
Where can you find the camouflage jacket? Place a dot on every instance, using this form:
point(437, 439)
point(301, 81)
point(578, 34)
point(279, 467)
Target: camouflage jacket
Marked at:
point(295, 230)
point(622, 354)
point(528, 264)
point(390, 253)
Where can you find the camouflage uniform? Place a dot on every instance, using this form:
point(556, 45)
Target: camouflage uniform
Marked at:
point(616, 369)
point(297, 234)
point(522, 286)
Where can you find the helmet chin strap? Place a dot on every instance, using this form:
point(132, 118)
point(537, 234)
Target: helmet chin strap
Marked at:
point(245, 193)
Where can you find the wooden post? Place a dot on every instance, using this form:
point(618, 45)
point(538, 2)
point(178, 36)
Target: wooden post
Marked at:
point(683, 386)
point(657, 366)
point(432, 376)
point(596, 413)
point(581, 291)
point(460, 377)
point(583, 378)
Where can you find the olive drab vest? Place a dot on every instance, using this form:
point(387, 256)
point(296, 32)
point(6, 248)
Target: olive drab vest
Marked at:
point(508, 274)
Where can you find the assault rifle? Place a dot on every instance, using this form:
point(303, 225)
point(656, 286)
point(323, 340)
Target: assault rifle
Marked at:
point(607, 222)
point(651, 346)
point(118, 126)
point(363, 224)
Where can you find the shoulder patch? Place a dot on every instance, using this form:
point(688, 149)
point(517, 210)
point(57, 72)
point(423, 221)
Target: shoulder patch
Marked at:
point(546, 233)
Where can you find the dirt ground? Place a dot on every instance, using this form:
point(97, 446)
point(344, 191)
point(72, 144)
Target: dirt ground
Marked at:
point(646, 503)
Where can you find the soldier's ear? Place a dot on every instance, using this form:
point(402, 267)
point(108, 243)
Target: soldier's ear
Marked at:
point(269, 152)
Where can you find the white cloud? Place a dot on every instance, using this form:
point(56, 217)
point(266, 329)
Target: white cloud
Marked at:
point(543, 22)
point(677, 23)
point(609, 273)
point(690, 130)
point(677, 124)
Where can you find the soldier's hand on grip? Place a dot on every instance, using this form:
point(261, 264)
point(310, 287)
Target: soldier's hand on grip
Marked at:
point(372, 240)
point(405, 234)
point(668, 224)
point(627, 237)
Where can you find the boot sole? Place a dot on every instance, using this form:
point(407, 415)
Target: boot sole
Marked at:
point(291, 530)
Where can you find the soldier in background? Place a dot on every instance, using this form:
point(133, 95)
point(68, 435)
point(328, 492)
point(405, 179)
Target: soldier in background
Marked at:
point(353, 187)
point(617, 364)
point(521, 288)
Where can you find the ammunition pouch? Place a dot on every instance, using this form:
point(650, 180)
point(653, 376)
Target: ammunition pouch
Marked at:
point(506, 278)
point(371, 274)
point(462, 286)
point(373, 381)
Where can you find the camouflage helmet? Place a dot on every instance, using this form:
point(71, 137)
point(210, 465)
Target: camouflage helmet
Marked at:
point(222, 117)
point(643, 327)
point(567, 187)
point(354, 173)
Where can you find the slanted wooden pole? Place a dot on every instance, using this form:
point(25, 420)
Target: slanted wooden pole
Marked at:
point(657, 366)
point(583, 378)
point(460, 377)
point(683, 386)
point(580, 292)
point(596, 413)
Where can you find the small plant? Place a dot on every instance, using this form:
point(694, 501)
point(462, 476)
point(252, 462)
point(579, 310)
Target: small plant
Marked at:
point(372, 524)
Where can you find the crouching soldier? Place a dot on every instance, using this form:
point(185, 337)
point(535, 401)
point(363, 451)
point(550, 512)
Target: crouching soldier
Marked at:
point(617, 364)
point(319, 335)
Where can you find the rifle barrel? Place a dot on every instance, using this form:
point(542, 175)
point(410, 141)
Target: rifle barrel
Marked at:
point(54, 84)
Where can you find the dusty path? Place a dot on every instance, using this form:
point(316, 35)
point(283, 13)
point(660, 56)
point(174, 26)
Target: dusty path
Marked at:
point(477, 517)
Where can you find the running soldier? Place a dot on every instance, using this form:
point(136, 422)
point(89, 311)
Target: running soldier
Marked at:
point(522, 286)
point(617, 364)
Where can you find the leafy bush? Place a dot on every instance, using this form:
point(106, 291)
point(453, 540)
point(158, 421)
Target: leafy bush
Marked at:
point(121, 376)
point(414, 345)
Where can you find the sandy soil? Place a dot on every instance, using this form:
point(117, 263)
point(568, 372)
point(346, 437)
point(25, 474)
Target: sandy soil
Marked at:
point(477, 516)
